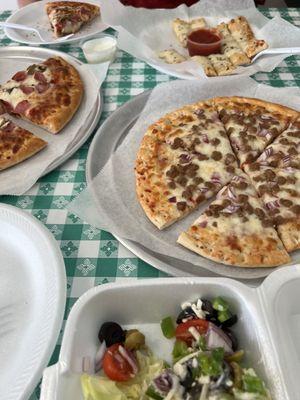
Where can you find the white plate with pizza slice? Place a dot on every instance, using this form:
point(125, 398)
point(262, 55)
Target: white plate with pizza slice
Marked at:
point(54, 22)
point(32, 298)
point(35, 88)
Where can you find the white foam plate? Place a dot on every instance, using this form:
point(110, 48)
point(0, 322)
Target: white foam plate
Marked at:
point(34, 15)
point(32, 301)
point(267, 328)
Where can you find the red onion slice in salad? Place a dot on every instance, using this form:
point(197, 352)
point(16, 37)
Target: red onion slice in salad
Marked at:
point(99, 356)
point(215, 337)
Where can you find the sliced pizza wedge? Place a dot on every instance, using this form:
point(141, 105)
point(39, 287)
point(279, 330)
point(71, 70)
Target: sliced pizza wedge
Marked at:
point(184, 159)
point(236, 230)
point(279, 189)
point(68, 16)
point(284, 151)
point(252, 124)
point(47, 94)
point(16, 144)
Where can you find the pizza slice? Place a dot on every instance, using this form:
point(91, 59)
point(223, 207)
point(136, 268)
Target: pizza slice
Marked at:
point(68, 16)
point(183, 160)
point(284, 151)
point(236, 230)
point(279, 189)
point(47, 94)
point(16, 144)
point(252, 124)
point(242, 33)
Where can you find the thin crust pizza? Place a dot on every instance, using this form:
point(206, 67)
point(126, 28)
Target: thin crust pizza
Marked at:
point(68, 17)
point(47, 94)
point(183, 160)
point(235, 230)
point(187, 157)
point(16, 144)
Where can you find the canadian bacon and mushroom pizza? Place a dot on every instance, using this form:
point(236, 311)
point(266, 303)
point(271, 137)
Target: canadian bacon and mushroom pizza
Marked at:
point(193, 153)
point(68, 17)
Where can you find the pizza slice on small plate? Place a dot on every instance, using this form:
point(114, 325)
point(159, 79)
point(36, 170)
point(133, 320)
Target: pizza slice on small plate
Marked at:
point(252, 124)
point(184, 159)
point(47, 94)
point(68, 16)
point(236, 230)
point(16, 144)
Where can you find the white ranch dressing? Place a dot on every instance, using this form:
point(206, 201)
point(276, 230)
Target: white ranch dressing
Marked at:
point(100, 49)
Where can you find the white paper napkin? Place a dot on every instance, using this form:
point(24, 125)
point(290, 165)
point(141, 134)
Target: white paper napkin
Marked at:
point(144, 33)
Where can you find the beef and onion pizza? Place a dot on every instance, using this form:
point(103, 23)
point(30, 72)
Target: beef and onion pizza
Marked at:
point(241, 153)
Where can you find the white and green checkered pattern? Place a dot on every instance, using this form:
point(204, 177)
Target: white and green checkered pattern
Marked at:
point(94, 257)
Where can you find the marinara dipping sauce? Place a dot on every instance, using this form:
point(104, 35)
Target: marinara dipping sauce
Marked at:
point(203, 42)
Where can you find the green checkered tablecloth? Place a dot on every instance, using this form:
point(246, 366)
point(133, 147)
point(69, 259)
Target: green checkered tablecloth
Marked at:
point(93, 257)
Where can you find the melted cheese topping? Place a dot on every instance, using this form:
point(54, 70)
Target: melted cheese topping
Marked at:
point(17, 95)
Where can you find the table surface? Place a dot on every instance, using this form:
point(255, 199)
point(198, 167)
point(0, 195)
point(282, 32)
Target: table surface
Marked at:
point(93, 257)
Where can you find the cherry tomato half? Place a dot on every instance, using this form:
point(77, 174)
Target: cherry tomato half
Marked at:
point(182, 330)
point(119, 364)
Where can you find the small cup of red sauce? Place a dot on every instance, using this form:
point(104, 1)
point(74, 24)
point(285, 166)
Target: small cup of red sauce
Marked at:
point(203, 42)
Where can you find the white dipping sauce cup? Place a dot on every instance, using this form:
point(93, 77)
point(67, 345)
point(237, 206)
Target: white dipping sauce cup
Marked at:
point(100, 49)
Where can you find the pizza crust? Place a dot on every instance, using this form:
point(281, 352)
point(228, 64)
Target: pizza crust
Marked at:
point(31, 145)
point(289, 233)
point(241, 101)
point(249, 251)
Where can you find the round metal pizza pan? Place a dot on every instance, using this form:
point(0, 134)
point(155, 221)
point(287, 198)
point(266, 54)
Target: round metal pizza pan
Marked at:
point(38, 54)
point(105, 142)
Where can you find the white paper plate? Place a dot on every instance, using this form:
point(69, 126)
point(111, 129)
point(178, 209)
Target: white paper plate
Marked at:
point(32, 301)
point(34, 15)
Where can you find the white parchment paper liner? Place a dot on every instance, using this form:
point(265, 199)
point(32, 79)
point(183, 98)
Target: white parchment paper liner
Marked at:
point(144, 33)
point(18, 179)
point(117, 209)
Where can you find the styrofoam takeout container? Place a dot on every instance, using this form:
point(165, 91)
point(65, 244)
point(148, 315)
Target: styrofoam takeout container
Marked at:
point(268, 328)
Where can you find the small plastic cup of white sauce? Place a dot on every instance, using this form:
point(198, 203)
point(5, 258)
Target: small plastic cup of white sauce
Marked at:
point(99, 50)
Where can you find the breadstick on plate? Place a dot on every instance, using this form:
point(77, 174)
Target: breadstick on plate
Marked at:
point(230, 47)
point(242, 33)
point(221, 64)
point(206, 64)
point(171, 56)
